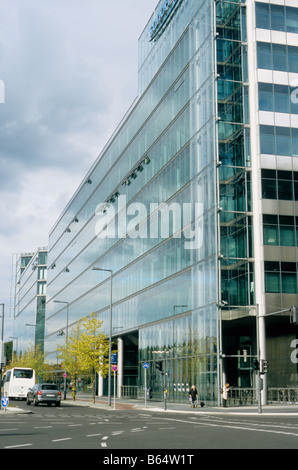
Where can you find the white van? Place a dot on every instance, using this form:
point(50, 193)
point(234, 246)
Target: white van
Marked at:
point(17, 381)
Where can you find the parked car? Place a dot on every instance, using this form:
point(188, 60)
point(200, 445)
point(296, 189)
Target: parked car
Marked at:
point(44, 393)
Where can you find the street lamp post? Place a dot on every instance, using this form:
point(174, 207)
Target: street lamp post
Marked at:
point(110, 333)
point(67, 312)
point(2, 349)
point(34, 326)
point(17, 343)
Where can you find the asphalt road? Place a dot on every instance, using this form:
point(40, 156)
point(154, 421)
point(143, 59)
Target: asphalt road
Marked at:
point(171, 434)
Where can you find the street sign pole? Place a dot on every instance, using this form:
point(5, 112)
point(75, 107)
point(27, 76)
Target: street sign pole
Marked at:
point(145, 366)
point(145, 388)
point(114, 390)
point(114, 369)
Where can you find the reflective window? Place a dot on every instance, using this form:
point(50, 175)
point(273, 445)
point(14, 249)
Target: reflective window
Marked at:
point(278, 22)
point(272, 277)
point(267, 140)
point(279, 230)
point(276, 17)
point(263, 15)
point(277, 57)
point(279, 185)
point(279, 141)
point(270, 225)
point(283, 141)
point(292, 19)
point(280, 277)
point(266, 102)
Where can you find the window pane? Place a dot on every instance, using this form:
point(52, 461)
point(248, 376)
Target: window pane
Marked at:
point(264, 56)
point(288, 267)
point(266, 97)
point(283, 141)
point(267, 140)
point(296, 190)
point(270, 174)
point(278, 18)
point(295, 142)
point(270, 235)
point(272, 282)
point(262, 16)
point(281, 99)
point(293, 59)
point(269, 189)
point(270, 219)
point(279, 57)
point(289, 283)
point(285, 191)
point(294, 98)
point(284, 175)
point(287, 236)
point(292, 20)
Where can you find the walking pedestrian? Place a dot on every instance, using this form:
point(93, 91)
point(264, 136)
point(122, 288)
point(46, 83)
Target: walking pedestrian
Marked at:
point(193, 393)
point(225, 393)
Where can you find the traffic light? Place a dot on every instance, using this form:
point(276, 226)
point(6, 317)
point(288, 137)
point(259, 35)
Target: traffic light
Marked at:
point(294, 311)
point(158, 365)
point(255, 364)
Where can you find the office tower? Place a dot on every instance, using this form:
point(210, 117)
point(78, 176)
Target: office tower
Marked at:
point(190, 209)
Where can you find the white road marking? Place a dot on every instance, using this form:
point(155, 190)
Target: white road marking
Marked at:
point(64, 439)
point(42, 427)
point(19, 445)
point(242, 428)
point(11, 429)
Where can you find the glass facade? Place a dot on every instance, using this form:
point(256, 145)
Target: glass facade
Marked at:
point(168, 206)
point(163, 153)
point(29, 284)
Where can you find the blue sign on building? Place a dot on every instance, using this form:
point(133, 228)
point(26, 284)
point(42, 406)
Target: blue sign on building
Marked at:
point(162, 17)
point(114, 358)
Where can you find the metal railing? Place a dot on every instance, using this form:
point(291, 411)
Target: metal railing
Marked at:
point(129, 391)
point(283, 396)
point(239, 396)
point(275, 395)
point(242, 396)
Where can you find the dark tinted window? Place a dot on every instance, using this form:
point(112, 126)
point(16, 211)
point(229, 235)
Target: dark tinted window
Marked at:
point(49, 387)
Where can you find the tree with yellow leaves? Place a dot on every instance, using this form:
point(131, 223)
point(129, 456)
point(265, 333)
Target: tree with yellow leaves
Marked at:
point(33, 357)
point(86, 350)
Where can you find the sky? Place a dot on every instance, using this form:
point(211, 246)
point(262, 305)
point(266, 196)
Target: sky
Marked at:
point(68, 74)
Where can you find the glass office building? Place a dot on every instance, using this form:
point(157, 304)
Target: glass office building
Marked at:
point(190, 209)
point(29, 282)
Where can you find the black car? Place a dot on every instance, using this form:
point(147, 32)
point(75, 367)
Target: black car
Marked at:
point(44, 393)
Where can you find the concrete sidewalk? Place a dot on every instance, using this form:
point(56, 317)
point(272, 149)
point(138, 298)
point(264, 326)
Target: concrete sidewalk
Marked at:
point(158, 406)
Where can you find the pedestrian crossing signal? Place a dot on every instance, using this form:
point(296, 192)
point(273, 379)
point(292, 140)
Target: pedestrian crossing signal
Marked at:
point(264, 367)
